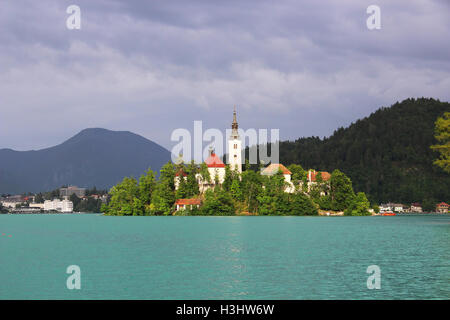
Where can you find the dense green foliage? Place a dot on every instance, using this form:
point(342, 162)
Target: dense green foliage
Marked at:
point(359, 206)
point(218, 203)
point(246, 193)
point(88, 205)
point(443, 137)
point(386, 155)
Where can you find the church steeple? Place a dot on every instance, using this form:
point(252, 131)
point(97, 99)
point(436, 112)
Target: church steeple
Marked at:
point(234, 126)
point(235, 146)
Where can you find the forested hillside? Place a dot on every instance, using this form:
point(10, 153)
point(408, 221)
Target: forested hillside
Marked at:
point(387, 155)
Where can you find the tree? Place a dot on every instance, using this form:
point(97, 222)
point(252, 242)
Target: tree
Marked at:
point(429, 205)
point(191, 181)
point(39, 198)
point(163, 199)
point(341, 191)
point(228, 179)
point(297, 172)
point(302, 205)
point(442, 129)
point(319, 178)
point(183, 190)
point(251, 186)
point(123, 197)
point(206, 177)
point(359, 206)
point(376, 208)
point(272, 200)
point(218, 202)
point(167, 174)
point(235, 190)
point(75, 201)
point(146, 186)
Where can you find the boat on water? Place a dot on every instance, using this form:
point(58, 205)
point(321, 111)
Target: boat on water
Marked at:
point(388, 214)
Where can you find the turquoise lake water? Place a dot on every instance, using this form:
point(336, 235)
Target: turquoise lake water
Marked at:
point(224, 257)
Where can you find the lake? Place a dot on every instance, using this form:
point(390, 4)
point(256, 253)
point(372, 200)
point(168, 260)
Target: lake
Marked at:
point(224, 257)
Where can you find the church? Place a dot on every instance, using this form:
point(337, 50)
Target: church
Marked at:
point(217, 171)
point(216, 167)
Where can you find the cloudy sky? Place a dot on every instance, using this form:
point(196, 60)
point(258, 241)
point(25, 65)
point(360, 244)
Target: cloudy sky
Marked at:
point(305, 67)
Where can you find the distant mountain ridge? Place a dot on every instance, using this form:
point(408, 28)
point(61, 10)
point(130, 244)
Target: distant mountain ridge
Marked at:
point(93, 157)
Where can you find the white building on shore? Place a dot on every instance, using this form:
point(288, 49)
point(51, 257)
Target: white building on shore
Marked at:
point(64, 206)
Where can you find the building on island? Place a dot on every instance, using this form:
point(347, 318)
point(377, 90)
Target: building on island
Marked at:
point(183, 204)
point(442, 207)
point(312, 178)
point(64, 206)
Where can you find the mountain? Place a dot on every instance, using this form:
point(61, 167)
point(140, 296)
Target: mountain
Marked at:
point(387, 155)
point(93, 157)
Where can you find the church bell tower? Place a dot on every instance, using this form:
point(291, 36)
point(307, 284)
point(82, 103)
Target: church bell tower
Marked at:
point(234, 146)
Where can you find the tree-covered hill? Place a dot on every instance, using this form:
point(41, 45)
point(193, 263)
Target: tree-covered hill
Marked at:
point(387, 155)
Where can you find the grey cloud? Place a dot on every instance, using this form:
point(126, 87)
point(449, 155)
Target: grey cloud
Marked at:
point(305, 67)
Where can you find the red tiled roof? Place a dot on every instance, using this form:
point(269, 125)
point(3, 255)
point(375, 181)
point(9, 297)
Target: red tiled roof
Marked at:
point(325, 175)
point(442, 204)
point(214, 161)
point(274, 168)
point(188, 202)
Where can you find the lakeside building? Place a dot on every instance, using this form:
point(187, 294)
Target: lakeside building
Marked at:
point(389, 207)
point(442, 207)
point(64, 206)
point(183, 204)
point(70, 190)
point(9, 204)
point(416, 207)
point(37, 205)
point(13, 201)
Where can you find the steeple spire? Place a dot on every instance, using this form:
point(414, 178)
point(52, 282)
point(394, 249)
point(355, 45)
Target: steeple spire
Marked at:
point(234, 126)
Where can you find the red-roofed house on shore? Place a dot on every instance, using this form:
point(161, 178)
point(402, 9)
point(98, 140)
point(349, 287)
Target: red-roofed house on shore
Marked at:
point(442, 207)
point(183, 204)
point(274, 168)
point(312, 177)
